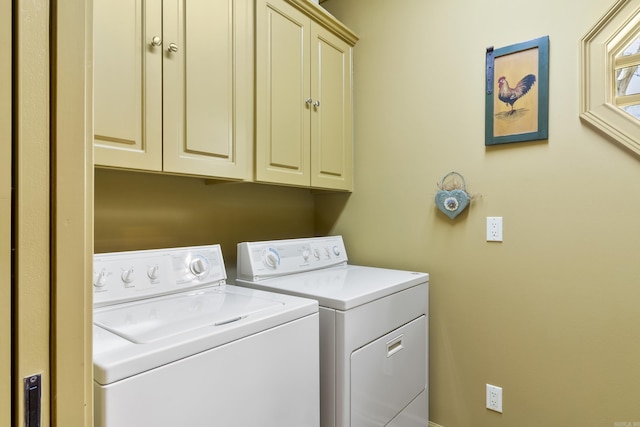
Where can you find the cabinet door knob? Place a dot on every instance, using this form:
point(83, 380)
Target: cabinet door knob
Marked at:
point(172, 47)
point(316, 104)
point(309, 101)
point(156, 41)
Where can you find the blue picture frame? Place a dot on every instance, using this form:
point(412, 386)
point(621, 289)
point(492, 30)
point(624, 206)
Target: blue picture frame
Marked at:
point(517, 92)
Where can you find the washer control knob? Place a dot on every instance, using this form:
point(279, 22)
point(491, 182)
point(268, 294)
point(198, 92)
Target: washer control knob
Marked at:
point(153, 272)
point(101, 279)
point(127, 276)
point(271, 258)
point(316, 253)
point(305, 254)
point(336, 251)
point(327, 253)
point(199, 267)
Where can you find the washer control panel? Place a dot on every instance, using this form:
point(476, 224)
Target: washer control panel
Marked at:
point(261, 260)
point(127, 276)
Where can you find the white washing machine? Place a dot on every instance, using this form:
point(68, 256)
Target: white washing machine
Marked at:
point(174, 345)
point(373, 328)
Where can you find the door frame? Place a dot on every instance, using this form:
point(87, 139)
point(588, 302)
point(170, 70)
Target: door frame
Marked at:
point(31, 205)
point(51, 298)
point(72, 215)
point(5, 211)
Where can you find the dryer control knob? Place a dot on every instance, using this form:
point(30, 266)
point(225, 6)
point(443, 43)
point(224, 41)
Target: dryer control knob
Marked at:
point(271, 258)
point(305, 254)
point(336, 251)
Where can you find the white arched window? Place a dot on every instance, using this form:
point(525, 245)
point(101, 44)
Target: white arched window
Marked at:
point(610, 75)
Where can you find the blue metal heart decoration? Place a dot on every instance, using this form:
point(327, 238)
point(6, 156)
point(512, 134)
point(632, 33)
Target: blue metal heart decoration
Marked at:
point(451, 203)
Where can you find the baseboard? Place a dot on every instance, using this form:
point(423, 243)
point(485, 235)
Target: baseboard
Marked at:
point(432, 424)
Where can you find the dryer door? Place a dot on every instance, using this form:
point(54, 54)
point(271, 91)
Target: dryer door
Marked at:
point(388, 373)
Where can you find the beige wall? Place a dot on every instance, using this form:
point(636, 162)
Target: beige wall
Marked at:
point(551, 314)
point(145, 211)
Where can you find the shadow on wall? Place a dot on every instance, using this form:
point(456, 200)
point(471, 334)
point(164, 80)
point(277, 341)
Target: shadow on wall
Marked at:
point(329, 207)
point(136, 211)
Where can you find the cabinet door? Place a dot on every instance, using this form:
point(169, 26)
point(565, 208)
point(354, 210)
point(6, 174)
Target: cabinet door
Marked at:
point(331, 118)
point(282, 88)
point(128, 84)
point(207, 87)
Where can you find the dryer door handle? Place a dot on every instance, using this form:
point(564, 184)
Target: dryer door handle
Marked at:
point(395, 345)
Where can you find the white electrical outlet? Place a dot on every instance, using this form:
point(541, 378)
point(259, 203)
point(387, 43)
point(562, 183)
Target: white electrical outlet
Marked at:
point(494, 398)
point(494, 229)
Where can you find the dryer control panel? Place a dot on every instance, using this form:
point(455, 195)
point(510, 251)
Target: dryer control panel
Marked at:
point(128, 276)
point(263, 260)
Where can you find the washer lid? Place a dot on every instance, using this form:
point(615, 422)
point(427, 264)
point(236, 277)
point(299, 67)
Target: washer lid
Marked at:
point(159, 318)
point(342, 287)
point(139, 336)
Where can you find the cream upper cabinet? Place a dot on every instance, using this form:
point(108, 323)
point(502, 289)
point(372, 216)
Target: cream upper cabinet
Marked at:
point(127, 84)
point(173, 86)
point(303, 96)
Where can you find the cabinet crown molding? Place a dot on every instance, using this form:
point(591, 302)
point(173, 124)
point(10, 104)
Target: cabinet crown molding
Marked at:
point(323, 17)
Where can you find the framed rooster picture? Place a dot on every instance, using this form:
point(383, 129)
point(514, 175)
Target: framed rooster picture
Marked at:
point(517, 92)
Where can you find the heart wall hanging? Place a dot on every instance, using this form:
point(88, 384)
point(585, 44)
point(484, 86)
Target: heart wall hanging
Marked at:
point(452, 198)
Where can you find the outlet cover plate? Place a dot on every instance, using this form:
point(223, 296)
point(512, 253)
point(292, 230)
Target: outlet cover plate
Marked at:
point(494, 398)
point(494, 229)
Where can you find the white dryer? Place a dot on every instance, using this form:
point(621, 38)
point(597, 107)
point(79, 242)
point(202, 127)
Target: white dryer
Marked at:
point(373, 328)
point(174, 345)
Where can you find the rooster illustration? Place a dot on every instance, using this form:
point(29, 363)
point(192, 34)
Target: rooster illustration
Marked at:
point(510, 95)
